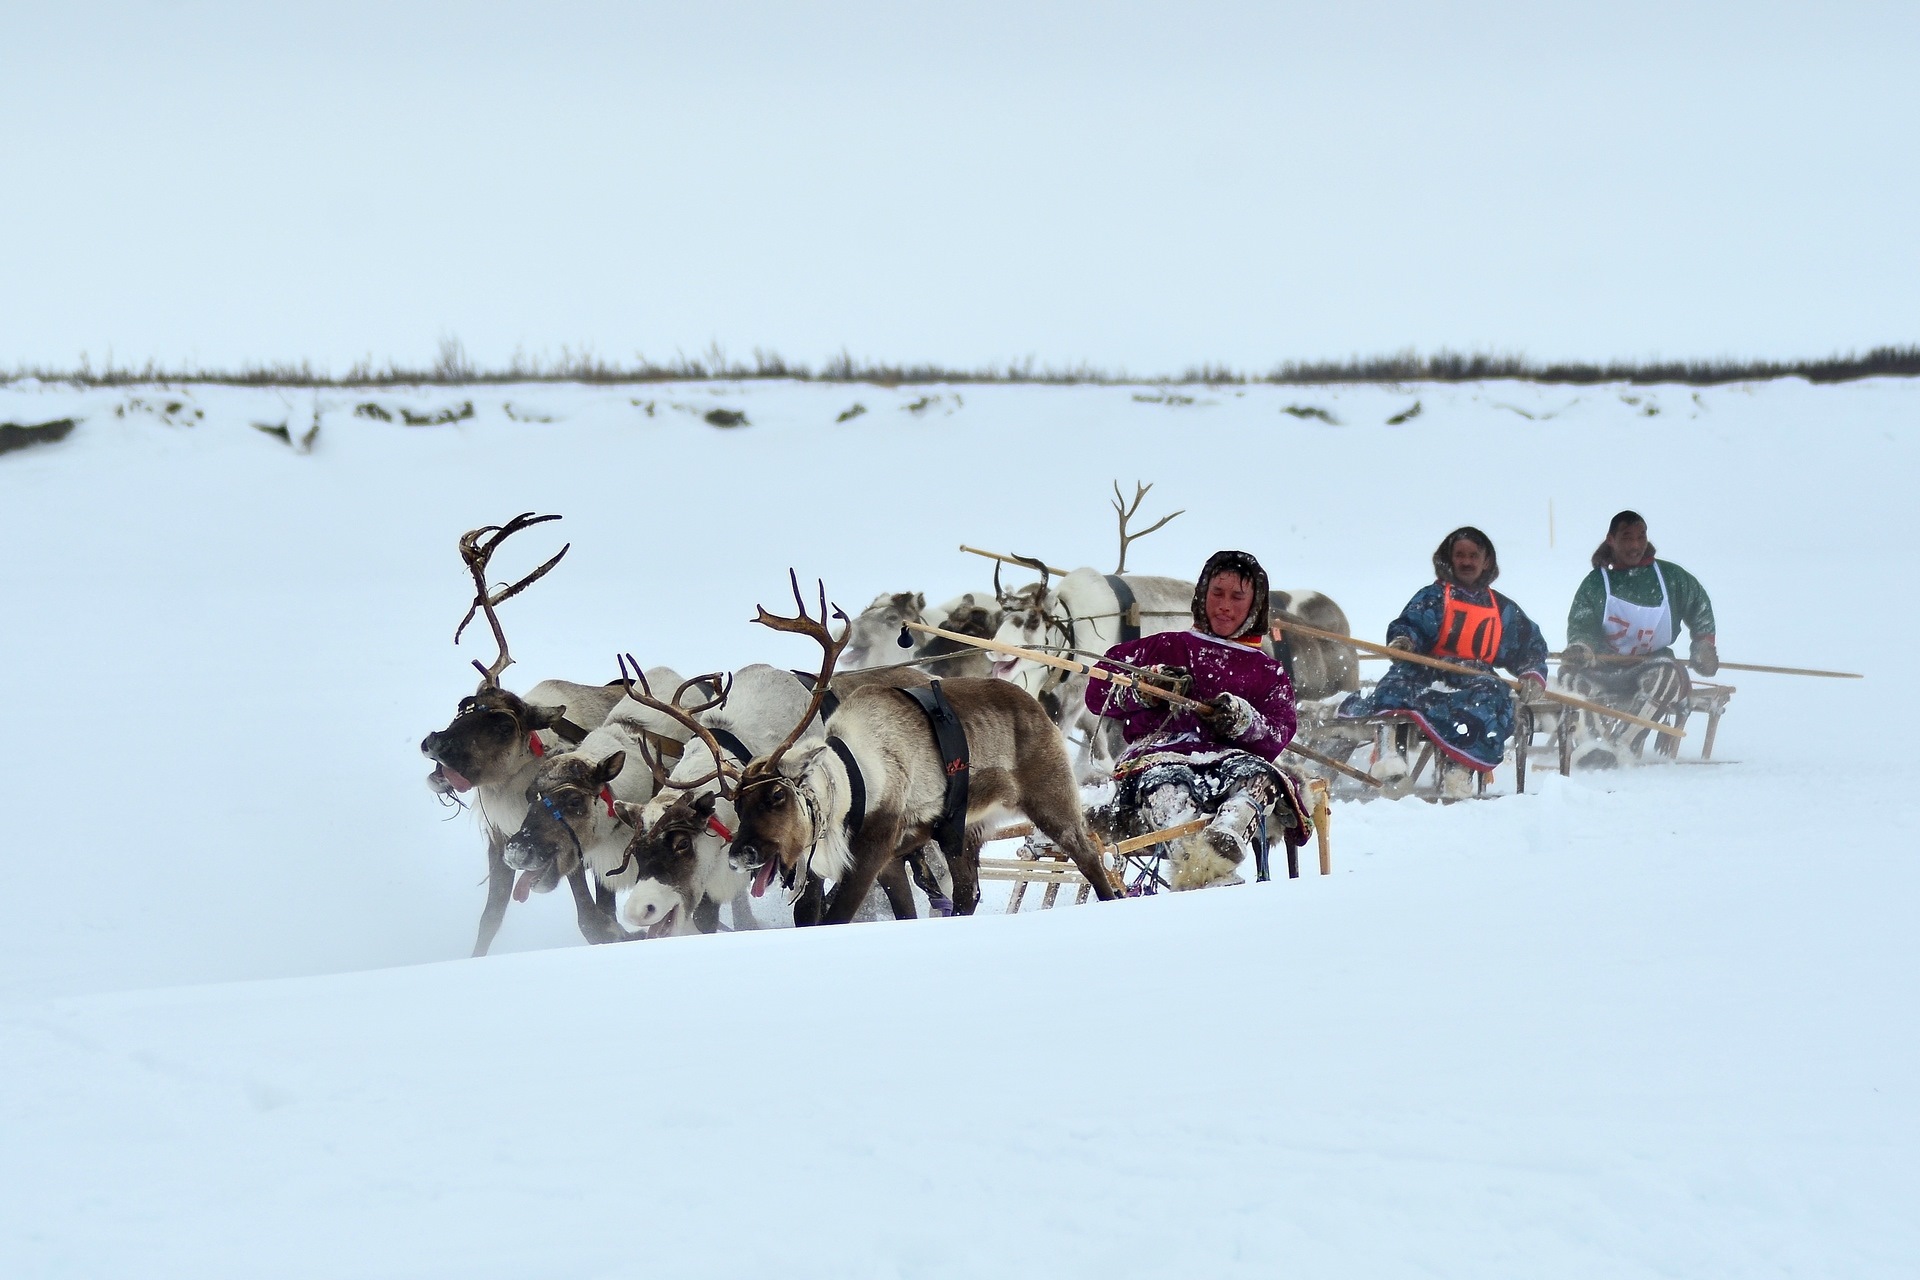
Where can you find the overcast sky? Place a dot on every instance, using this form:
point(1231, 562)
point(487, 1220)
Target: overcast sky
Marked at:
point(1138, 186)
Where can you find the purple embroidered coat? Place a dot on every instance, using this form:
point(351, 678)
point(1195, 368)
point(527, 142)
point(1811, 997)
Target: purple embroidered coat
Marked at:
point(1218, 666)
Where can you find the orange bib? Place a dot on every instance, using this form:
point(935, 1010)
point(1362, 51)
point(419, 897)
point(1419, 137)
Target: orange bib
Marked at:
point(1469, 631)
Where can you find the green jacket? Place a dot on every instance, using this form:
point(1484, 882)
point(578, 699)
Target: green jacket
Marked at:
point(1685, 597)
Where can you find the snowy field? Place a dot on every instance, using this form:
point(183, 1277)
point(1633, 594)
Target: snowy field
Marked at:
point(1653, 1023)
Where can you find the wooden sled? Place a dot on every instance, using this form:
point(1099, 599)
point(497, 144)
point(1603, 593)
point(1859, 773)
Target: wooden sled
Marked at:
point(1547, 728)
point(1133, 865)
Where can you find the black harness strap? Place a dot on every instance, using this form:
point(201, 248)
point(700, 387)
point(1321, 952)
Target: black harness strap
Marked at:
point(828, 704)
point(726, 738)
point(857, 788)
point(950, 736)
point(1129, 607)
point(569, 731)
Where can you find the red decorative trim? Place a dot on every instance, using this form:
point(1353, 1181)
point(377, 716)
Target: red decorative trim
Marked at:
point(1445, 748)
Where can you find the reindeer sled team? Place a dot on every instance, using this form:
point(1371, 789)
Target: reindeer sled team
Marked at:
point(675, 797)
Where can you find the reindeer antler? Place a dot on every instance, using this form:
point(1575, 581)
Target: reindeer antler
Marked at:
point(804, 624)
point(685, 715)
point(477, 548)
point(1126, 513)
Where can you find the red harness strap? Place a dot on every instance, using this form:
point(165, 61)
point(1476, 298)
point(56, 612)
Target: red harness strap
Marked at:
point(533, 745)
point(606, 795)
point(719, 828)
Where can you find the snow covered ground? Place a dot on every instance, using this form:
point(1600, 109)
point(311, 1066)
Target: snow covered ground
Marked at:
point(1658, 1022)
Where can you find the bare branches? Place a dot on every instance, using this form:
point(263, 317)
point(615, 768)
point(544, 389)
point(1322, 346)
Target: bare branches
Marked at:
point(477, 548)
point(804, 624)
point(1126, 513)
point(631, 676)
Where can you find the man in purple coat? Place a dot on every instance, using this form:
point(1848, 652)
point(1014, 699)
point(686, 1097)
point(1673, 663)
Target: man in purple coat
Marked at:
point(1180, 764)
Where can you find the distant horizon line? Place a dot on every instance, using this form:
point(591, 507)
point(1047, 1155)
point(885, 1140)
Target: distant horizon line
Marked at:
point(454, 368)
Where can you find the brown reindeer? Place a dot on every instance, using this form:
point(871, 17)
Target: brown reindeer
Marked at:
point(848, 808)
point(496, 738)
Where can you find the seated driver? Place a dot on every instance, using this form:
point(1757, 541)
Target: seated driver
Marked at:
point(1457, 618)
point(1620, 631)
point(1180, 764)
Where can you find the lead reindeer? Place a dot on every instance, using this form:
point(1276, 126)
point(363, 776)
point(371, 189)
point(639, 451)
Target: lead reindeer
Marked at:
point(845, 808)
point(494, 742)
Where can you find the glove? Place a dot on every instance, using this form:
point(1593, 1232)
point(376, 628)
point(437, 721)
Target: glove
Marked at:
point(1173, 679)
point(1401, 643)
point(1704, 658)
point(1532, 688)
point(1230, 716)
point(1576, 655)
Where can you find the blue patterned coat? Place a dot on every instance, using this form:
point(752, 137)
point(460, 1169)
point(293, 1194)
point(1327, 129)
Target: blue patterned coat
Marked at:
point(1469, 717)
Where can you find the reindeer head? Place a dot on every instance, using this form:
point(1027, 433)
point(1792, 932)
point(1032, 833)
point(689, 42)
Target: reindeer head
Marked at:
point(673, 857)
point(777, 813)
point(778, 818)
point(870, 642)
point(486, 742)
point(1028, 620)
point(561, 802)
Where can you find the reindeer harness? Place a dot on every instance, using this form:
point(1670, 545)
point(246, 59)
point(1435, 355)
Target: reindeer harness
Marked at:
point(950, 737)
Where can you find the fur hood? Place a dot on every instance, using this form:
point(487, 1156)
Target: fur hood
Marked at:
point(1443, 558)
point(1240, 564)
point(1603, 558)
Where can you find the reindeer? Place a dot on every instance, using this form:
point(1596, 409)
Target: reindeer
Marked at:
point(1320, 668)
point(873, 640)
point(572, 813)
point(680, 867)
point(846, 808)
point(495, 740)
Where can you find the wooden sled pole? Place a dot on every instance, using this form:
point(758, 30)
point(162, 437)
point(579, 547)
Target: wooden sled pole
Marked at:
point(1730, 666)
point(1328, 762)
point(1014, 560)
point(1440, 664)
point(1320, 833)
point(1125, 682)
point(1054, 660)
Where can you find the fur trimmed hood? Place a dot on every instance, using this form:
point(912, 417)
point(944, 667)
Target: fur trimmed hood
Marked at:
point(1242, 565)
point(1603, 558)
point(1443, 558)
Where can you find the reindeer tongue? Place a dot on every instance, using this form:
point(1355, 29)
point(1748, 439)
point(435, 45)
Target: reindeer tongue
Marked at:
point(666, 924)
point(523, 885)
point(459, 783)
point(762, 877)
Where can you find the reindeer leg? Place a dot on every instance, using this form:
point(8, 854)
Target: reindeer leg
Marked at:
point(596, 918)
point(810, 905)
point(965, 871)
point(878, 844)
point(893, 880)
point(1061, 822)
point(499, 893)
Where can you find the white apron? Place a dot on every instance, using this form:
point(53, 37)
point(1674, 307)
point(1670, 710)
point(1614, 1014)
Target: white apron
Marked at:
point(1638, 629)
